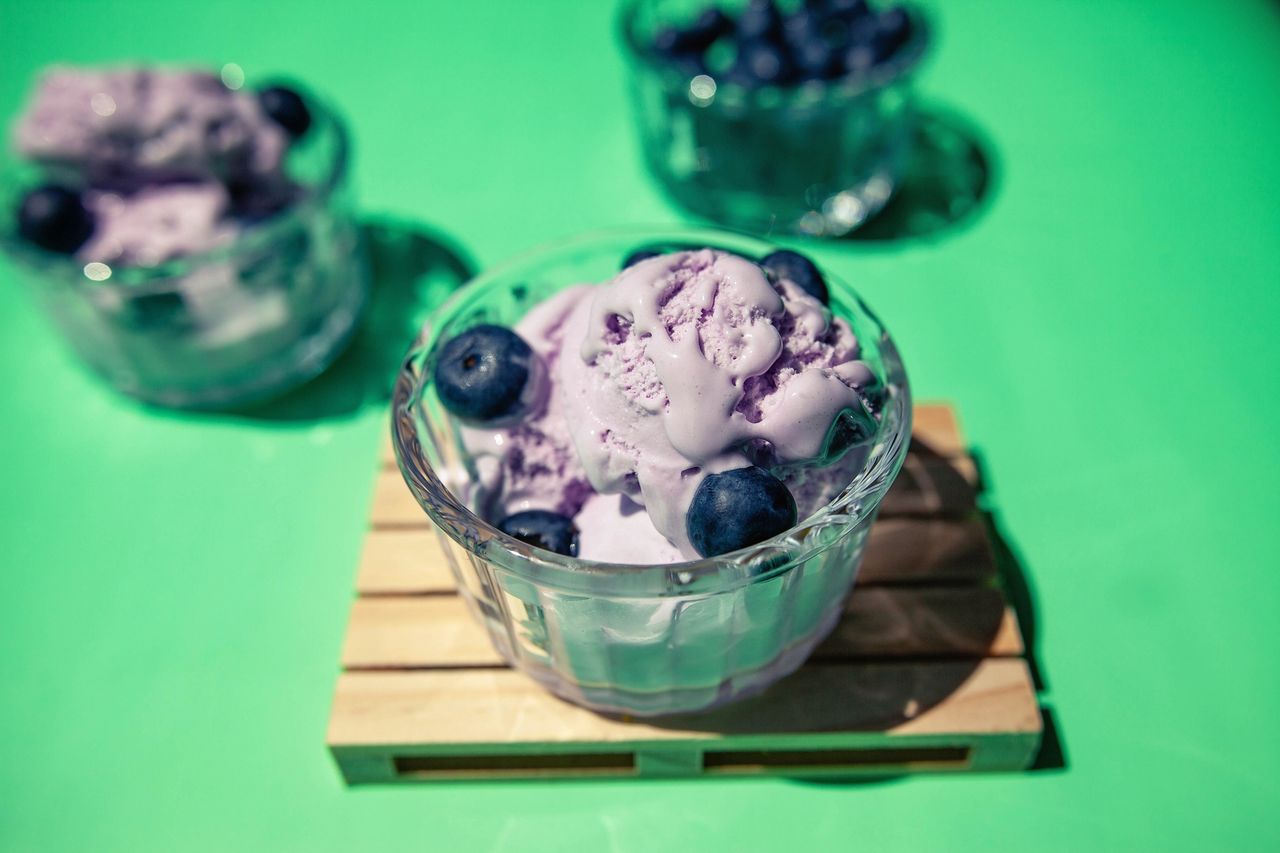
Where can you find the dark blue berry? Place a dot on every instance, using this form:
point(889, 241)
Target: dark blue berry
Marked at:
point(760, 20)
point(543, 529)
point(799, 270)
point(849, 10)
point(639, 255)
point(764, 63)
point(710, 25)
point(893, 28)
point(482, 374)
point(859, 59)
point(738, 508)
point(54, 218)
point(286, 108)
point(802, 26)
point(816, 59)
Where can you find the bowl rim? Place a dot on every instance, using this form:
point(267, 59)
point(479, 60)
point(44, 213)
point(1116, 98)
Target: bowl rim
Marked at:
point(256, 236)
point(856, 503)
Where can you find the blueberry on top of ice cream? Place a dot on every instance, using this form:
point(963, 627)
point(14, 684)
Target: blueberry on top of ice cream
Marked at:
point(54, 218)
point(487, 375)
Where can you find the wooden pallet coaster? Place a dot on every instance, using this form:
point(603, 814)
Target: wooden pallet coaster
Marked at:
point(924, 673)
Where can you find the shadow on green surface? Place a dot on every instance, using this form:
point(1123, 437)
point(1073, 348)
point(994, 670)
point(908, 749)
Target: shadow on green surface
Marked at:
point(413, 268)
point(949, 181)
point(1016, 582)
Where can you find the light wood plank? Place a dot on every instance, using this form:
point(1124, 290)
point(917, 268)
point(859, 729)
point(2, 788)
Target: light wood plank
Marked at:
point(936, 426)
point(403, 562)
point(426, 632)
point(442, 708)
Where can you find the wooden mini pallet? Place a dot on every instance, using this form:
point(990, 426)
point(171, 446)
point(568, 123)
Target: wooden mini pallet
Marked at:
point(924, 673)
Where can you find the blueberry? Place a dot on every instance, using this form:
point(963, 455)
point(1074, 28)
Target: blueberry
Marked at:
point(859, 59)
point(543, 529)
point(482, 374)
point(710, 25)
point(738, 508)
point(893, 28)
point(54, 218)
point(286, 108)
point(802, 26)
point(800, 270)
point(639, 255)
point(760, 20)
point(848, 10)
point(764, 63)
point(816, 59)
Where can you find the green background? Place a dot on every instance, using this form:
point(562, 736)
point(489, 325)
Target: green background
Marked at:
point(174, 588)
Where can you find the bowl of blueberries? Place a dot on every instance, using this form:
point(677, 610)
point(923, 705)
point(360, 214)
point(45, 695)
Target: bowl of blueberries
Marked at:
point(775, 116)
point(193, 239)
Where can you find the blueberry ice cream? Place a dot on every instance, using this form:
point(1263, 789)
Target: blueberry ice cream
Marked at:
point(697, 403)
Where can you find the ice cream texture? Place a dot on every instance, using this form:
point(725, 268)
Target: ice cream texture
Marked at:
point(127, 127)
point(171, 162)
point(683, 366)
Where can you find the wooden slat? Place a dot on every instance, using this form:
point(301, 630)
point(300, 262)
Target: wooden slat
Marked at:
point(504, 707)
point(935, 426)
point(426, 632)
point(403, 562)
point(931, 485)
point(912, 550)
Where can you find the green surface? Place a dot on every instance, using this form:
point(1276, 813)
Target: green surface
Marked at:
point(175, 588)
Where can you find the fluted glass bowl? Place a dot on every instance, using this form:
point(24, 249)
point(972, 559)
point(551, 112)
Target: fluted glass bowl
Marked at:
point(642, 640)
point(235, 324)
point(817, 158)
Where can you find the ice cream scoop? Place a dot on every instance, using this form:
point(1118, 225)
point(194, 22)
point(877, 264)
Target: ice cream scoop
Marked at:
point(684, 366)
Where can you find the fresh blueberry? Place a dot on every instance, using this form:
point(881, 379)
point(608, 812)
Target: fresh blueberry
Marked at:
point(802, 26)
point(859, 59)
point(639, 255)
point(710, 25)
point(738, 508)
point(764, 64)
point(800, 270)
point(816, 59)
point(54, 218)
point(286, 108)
point(543, 529)
point(759, 21)
point(482, 374)
point(848, 10)
point(893, 28)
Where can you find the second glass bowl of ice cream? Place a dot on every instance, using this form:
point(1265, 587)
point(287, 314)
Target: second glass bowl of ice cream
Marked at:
point(639, 639)
point(815, 153)
point(256, 287)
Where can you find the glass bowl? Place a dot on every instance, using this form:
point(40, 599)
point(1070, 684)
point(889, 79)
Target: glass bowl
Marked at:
point(818, 158)
point(237, 323)
point(641, 640)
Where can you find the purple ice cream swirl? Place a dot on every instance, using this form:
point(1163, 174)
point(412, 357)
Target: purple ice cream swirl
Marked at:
point(683, 366)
